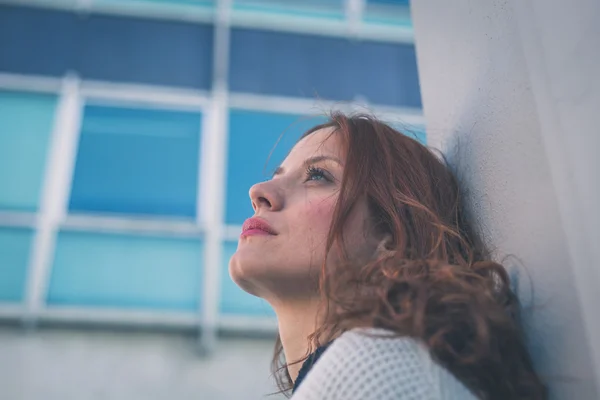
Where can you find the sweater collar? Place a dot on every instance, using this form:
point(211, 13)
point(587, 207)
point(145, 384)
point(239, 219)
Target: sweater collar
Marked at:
point(308, 364)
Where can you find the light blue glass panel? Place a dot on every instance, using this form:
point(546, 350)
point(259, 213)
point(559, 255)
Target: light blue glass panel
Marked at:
point(172, 3)
point(26, 122)
point(235, 301)
point(388, 12)
point(252, 137)
point(137, 161)
point(323, 9)
point(416, 132)
point(111, 270)
point(14, 254)
point(405, 3)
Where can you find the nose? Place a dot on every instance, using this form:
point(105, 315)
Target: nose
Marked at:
point(266, 196)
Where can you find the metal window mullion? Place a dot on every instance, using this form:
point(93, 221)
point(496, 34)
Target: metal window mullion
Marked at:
point(214, 186)
point(55, 194)
point(304, 106)
point(30, 83)
point(111, 93)
point(354, 15)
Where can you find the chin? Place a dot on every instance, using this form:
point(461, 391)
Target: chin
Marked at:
point(264, 272)
point(246, 269)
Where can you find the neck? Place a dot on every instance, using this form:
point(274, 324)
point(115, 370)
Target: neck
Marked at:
point(296, 322)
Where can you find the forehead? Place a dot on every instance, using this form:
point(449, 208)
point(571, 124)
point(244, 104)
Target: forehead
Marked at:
point(319, 143)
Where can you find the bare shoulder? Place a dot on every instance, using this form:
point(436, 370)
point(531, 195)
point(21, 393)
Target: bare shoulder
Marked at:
point(374, 364)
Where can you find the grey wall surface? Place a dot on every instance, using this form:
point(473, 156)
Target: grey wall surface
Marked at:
point(93, 365)
point(511, 95)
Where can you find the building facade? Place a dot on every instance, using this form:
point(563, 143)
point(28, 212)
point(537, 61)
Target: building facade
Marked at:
point(131, 131)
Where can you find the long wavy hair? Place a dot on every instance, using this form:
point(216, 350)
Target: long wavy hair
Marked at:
point(433, 280)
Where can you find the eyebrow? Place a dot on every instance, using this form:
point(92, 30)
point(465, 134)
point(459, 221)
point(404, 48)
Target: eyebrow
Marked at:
point(310, 161)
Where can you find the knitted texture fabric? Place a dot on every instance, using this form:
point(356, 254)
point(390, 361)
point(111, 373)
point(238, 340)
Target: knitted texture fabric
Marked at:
point(361, 366)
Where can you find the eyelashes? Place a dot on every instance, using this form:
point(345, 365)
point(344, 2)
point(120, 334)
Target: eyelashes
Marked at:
point(311, 174)
point(317, 174)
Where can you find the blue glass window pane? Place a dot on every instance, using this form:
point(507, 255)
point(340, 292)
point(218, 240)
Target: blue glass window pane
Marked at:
point(234, 301)
point(388, 12)
point(392, 2)
point(111, 270)
point(325, 9)
point(26, 123)
point(137, 161)
point(416, 132)
point(174, 4)
point(106, 47)
point(296, 65)
point(252, 137)
point(37, 41)
point(14, 255)
point(157, 52)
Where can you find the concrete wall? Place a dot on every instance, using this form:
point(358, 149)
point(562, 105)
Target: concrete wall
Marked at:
point(511, 93)
point(93, 365)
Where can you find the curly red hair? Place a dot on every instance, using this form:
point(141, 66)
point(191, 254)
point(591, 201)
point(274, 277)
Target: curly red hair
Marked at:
point(433, 279)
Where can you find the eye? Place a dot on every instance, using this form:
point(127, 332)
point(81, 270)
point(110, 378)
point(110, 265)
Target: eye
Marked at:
point(316, 174)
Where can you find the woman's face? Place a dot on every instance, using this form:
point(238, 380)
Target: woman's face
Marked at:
point(282, 248)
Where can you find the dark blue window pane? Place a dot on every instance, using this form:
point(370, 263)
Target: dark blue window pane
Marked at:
point(37, 41)
point(252, 137)
point(146, 51)
point(331, 68)
point(137, 161)
point(125, 271)
point(103, 47)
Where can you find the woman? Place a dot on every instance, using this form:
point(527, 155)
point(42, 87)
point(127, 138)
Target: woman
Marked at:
point(382, 289)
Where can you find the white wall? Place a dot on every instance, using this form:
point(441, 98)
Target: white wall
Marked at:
point(63, 364)
point(511, 92)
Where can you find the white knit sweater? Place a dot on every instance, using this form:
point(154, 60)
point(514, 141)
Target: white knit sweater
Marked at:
point(358, 366)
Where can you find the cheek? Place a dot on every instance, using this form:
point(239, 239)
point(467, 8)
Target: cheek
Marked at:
point(315, 220)
point(322, 208)
point(320, 212)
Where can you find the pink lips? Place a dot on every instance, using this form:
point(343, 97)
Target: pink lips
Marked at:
point(256, 226)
